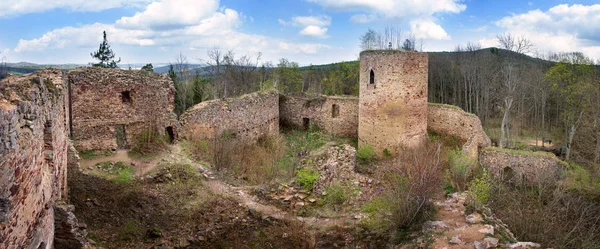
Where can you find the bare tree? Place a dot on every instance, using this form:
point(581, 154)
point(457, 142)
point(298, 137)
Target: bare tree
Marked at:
point(519, 45)
point(215, 62)
point(182, 69)
point(3, 66)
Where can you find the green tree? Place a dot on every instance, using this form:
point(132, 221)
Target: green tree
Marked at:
point(105, 55)
point(148, 67)
point(572, 80)
point(289, 76)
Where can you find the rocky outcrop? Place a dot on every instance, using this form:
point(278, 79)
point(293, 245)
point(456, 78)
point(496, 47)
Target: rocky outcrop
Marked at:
point(447, 119)
point(522, 166)
point(247, 118)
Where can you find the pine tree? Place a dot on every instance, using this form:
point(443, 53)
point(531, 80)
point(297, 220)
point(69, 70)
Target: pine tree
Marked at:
point(105, 55)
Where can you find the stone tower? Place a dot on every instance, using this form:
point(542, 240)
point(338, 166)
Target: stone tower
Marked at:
point(393, 100)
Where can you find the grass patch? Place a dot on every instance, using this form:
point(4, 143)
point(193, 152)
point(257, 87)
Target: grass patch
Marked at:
point(461, 170)
point(117, 172)
point(307, 178)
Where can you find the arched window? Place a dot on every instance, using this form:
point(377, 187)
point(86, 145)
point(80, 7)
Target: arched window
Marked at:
point(372, 77)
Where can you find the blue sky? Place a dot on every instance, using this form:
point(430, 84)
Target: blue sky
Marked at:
point(306, 31)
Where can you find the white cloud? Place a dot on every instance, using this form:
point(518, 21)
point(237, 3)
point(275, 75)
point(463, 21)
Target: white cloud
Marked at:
point(362, 18)
point(195, 31)
point(169, 14)
point(395, 8)
point(313, 26)
point(427, 29)
point(420, 14)
point(314, 31)
point(11, 8)
point(562, 28)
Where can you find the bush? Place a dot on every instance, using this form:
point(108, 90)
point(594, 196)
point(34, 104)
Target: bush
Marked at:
point(365, 154)
point(461, 170)
point(410, 182)
point(306, 178)
point(336, 195)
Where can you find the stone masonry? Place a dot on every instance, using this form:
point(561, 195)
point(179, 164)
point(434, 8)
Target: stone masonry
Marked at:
point(247, 118)
point(447, 119)
point(106, 102)
point(522, 167)
point(393, 99)
point(337, 115)
point(33, 157)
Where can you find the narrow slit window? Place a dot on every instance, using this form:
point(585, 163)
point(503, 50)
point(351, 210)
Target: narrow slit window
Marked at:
point(372, 77)
point(335, 111)
point(126, 97)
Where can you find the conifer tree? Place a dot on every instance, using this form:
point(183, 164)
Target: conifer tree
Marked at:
point(105, 55)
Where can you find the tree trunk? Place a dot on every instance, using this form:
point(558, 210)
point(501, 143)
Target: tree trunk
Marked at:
point(504, 126)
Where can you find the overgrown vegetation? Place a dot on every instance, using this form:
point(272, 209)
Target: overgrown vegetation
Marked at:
point(461, 170)
point(306, 178)
point(410, 183)
point(148, 143)
point(117, 172)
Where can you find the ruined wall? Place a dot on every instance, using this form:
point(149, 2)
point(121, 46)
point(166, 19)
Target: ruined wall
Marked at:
point(522, 166)
point(247, 117)
point(447, 119)
point(33, 157)
point(393, 99)
point(102, 99)
point(335, 114)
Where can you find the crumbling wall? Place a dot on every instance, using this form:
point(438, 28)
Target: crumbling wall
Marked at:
point(522, 166)
point(335, 114)
point(33, 157)
point(393, 99)
point(104, 99)
point(447, 119)
point(246, 118)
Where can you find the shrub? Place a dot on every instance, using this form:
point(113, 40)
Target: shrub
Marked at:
point(461, 170)
point(410, 182)
point(479, 192)
point(336, 195)
point(306, 178)
point(387, 153)
point(365, 153)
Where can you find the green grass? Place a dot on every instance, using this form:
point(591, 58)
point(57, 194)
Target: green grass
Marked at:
point(366, 153)
point(306, 178)
point(117, 172)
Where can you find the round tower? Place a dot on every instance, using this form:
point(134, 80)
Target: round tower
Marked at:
point(392, 100)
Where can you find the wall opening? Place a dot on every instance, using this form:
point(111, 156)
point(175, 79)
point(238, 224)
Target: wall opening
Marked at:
point(306, 123)
point(508, 175)
point(372, 77)
point(126, 97)
point(335, 111)
point(121, 136)
point(170, 134)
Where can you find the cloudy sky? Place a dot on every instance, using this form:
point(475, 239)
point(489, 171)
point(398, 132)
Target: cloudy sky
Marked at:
point(306, 31)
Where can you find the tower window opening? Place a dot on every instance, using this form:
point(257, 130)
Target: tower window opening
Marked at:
point(372, 77)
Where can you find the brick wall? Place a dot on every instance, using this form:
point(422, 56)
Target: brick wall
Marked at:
point(103, 99)
point(335, 114)
point(247, 117)
point(33, 154)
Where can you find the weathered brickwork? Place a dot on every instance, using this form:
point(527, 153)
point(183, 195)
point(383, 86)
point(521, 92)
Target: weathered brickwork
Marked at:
point(33, 157)
point(246, 118)
point(104, 101)
point(446, 119)
point(393, 99)
point(522, 167)
point(337, 115)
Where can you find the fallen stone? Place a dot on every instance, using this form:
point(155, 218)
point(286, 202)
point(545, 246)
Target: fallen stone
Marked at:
point(488, 229)
point(435, 225)
point(524, 245)
point(312, 200)
point(299, 204)
point(456, 240)
point(474, 218)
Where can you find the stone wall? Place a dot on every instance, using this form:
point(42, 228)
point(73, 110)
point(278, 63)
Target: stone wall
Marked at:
point(33, 154)
point(247, 117)
point(522, 166)
point(393, 99)
point(447, 119)
point(103, 99)
point(335, 114)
